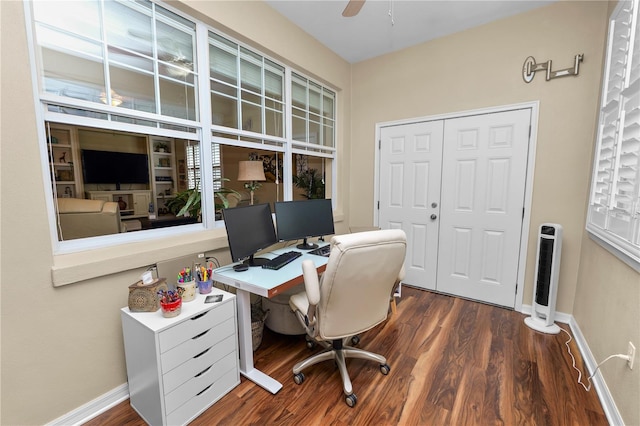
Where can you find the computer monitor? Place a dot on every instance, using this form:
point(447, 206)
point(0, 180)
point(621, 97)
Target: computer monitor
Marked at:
point(304, 219)
point(249, 230)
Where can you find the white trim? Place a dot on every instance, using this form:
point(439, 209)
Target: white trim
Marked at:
point(528, 192)
point(93, 408)
point(608, 404)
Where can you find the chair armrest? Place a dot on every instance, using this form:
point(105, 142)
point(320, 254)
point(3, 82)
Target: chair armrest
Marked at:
point(311, 282)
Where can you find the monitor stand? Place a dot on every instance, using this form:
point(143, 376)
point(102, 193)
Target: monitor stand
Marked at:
point(306, 246)
point(256, 261)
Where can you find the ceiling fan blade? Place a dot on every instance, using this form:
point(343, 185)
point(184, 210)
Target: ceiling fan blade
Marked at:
point(353, 7)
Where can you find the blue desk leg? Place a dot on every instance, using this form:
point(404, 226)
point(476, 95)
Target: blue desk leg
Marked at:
point(246, 346)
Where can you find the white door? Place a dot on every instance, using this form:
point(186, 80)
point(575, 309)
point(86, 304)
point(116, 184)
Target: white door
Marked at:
point(410, 161)
point(457, 187)
point(484, 173)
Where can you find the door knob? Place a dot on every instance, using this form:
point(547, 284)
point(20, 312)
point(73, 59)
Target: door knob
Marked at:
point(434, 217)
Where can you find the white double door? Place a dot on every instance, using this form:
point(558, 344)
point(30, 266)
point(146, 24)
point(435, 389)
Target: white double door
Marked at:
point(457, 188)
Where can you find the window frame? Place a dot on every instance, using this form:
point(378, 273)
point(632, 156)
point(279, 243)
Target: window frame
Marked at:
point(201, 130)
point(617, 100)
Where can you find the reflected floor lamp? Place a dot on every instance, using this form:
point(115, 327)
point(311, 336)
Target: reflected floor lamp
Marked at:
point(251, 172)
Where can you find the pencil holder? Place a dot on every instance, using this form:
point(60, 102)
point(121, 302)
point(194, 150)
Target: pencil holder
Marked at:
point(171, 309)
point(189, 290)
point(204, 287)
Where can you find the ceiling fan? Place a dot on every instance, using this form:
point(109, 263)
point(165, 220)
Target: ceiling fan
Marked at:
point(353, 8)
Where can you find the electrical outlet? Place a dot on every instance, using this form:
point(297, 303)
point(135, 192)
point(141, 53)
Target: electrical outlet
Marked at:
point(631, 353)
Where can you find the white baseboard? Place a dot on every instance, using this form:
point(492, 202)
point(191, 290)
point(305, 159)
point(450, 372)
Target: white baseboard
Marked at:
point(93, 408)
point(608, 404)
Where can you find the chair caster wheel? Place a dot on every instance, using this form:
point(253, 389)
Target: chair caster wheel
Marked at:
point(355, 340)
point(298, 378)
point(310, 342)
point(351, 400)
point(384, 369)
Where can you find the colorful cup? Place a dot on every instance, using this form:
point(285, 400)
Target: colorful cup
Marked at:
point(204, 287)
point(189, 290)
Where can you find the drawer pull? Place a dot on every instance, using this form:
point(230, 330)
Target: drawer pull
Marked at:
point(200, 335)
point(199, 316)
point(204, 390)
point(201, 353)
point(203, 371)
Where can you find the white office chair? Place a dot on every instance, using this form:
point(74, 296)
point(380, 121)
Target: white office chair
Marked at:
point(351, 297)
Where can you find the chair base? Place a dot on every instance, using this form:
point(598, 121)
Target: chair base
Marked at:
point(339, 353)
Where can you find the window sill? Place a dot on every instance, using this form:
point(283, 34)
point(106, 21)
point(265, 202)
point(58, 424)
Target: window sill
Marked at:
point(71, 268)
point(625, 257)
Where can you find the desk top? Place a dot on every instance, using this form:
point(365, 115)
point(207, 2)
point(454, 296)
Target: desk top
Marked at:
point(269, 282)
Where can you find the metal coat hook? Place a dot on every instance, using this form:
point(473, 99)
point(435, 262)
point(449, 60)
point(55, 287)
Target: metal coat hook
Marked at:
point(529, 68)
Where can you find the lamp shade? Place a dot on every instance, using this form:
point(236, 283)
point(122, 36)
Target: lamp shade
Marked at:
point(250, 171)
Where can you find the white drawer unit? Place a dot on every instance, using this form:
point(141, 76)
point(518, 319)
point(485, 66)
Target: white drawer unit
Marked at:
point(178, 367)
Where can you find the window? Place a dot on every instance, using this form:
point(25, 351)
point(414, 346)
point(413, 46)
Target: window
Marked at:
point(614, 207)
point(123, 76)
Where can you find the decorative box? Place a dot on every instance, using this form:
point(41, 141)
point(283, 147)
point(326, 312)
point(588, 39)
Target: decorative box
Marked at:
point(144, 297)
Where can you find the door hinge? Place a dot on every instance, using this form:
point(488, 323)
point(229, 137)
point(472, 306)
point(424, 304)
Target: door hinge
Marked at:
point(379, 144)
point(523, 212)
point(529, 131)
point(516, 288)
point(378, 205)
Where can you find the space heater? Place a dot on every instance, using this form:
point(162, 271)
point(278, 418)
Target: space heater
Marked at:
point(545, 287)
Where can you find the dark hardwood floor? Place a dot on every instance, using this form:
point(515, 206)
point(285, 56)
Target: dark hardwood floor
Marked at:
point(453, 362)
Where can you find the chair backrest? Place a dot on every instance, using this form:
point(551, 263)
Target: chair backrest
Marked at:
point(357, 283)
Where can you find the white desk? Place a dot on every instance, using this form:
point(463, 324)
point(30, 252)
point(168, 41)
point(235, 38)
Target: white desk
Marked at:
point(266, 283)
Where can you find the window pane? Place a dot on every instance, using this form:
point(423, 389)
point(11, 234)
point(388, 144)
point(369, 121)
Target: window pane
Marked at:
point(223, 65)
point(128, 26)
point(274, 123)
point(176, 47)
point(299, 129)
point(224, 111)
point(310, 175)
point(131, 89)
point(177, 100)
point(251, 117)
point(328, 104)
point(269, 190)
point(82, 21)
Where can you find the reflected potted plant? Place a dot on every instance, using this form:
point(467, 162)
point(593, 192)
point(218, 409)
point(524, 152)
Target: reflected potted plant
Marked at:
point(189, 202)
point(311, 181)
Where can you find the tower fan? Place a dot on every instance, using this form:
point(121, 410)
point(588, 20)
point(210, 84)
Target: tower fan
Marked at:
point(545, 289)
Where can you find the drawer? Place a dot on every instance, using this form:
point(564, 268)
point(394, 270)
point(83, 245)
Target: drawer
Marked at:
point(195, 325)
point(199, 384)
point(206, 398)
point(196, 345)
point(198, 363)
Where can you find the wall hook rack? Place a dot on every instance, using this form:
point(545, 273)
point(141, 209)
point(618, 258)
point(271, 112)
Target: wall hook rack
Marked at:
point(530, 67)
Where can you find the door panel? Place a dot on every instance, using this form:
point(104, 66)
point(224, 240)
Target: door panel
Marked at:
point(484, 172)
point(410, 169)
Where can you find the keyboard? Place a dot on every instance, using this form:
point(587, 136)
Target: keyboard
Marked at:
point(282, 259)
point(322, 251)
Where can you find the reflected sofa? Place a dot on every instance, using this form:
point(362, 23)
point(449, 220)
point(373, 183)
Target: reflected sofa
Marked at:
point(80, 218)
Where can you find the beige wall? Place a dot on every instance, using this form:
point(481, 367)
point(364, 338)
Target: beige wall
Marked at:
point(62, 347)
point(481, 68)
point(607, 309)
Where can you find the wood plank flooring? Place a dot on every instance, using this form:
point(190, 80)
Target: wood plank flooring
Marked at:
point(453, 362)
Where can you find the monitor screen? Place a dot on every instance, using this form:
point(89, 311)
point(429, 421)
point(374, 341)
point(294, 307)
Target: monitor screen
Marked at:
point(297, 220)
point(249, 230)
